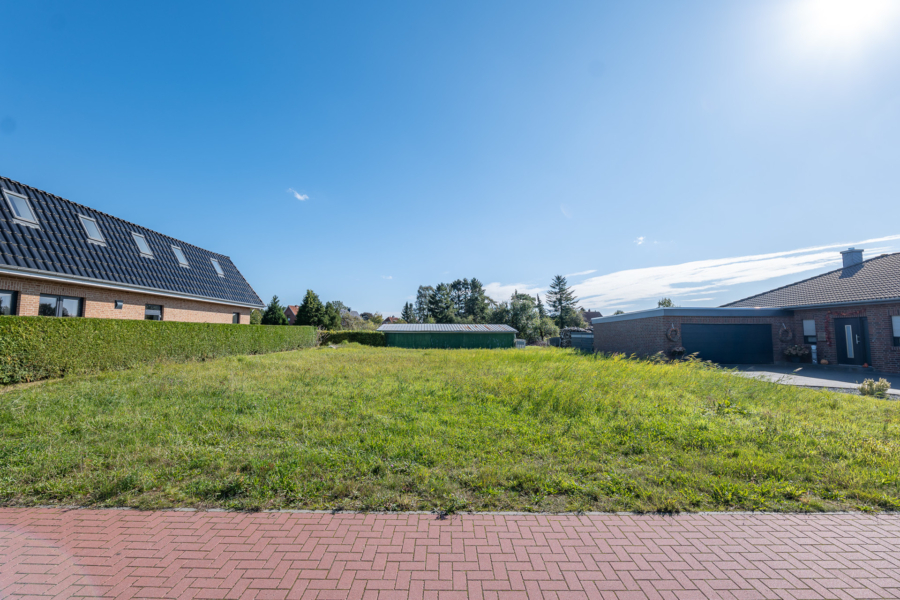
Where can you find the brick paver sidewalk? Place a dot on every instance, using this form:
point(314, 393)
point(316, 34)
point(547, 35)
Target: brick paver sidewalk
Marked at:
point(171, 554)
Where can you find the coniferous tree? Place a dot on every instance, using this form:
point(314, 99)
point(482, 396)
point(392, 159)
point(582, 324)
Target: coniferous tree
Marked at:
point(477, 303)
point(440, 304)
point(332, 317)
point(311, 311)
point(274, 314)
point(408, 314)
point(561, 300)
point(423, 296)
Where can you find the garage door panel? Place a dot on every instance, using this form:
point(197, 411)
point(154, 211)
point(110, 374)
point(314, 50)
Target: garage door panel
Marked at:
point(728, 343)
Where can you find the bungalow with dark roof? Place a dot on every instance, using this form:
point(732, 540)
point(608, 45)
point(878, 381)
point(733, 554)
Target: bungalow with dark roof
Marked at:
point(849, 316)
point(62, 259)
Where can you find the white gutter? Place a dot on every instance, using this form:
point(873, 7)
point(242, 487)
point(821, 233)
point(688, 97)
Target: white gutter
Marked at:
point(125, 287)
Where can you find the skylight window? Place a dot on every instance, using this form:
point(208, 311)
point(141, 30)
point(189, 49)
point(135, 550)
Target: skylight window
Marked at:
point(217, 267)
point(180, 256)
point(142, 245)
point(93, 231)
point(20, 206)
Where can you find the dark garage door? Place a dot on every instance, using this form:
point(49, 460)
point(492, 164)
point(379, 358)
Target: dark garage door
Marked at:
point(729, 344)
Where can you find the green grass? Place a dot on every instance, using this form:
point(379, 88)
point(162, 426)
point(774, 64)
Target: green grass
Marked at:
point(392, 429)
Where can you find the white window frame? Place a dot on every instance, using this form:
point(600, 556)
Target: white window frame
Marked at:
point(809, 327)
point(135, 236)
point(217, 267)
point(92, 240)
point(6, 194)
point(176, 250)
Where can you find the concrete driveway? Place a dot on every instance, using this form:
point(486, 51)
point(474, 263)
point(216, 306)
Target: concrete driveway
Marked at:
point(813, 377)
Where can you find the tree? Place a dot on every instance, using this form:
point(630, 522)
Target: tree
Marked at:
point(408, 313)
point(440, 304)
point(274, 314)
point(570, 317)
point(619, 312)
point(477, 302)
point(540, 307)
point(561, 298)
point(459, 294)
point(423, 296)
point(332, 316)
point(665, 303)
point(339, 305)
point(255, 316)
point(311, 311)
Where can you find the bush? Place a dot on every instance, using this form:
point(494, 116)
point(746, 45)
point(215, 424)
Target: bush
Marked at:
point(878, 389)
point(34, 348)
point(367, 338)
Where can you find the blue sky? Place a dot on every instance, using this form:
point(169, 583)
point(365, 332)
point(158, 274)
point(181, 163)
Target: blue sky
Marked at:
point(700, 150)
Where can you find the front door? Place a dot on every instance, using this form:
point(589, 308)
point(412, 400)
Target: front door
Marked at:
point(851, 339)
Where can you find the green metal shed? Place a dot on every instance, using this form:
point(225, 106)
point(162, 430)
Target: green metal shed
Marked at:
point(449, 336)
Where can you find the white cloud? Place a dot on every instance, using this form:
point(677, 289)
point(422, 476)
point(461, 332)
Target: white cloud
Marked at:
point(298, 195)
point(387, 277)
point(502, 292)
point(699, 299)
point(565, 211)
point(588, 272)
point(704, 277)
point(639, 241)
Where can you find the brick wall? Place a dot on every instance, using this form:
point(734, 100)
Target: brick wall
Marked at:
point(883, 354)
point(100, 303)
point(645, 337)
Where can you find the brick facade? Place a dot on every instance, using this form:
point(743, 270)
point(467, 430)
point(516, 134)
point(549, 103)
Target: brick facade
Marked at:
point(100, 302)
point(647, 336)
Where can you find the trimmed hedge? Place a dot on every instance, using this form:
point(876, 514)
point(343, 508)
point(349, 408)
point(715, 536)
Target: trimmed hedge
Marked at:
point(34, 348)
point(367, 338)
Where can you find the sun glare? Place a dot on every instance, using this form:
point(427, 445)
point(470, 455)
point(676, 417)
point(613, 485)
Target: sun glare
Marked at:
point(841, 26)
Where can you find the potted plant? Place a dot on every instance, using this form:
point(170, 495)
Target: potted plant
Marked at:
point(796, 352)
point(677, 352)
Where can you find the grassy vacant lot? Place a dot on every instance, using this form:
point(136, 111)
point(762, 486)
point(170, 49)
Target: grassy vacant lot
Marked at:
point(380, 428)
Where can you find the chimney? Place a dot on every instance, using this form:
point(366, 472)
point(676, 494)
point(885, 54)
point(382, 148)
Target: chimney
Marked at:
point(852, 256)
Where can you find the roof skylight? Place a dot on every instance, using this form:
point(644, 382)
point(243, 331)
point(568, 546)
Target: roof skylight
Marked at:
point(92, 229)
point(180, 256)
point(217, 267)
point(142, 244)
point(20, 206)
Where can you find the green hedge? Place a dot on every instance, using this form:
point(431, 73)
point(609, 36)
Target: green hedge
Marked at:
point(34, 348)
point(368, 338)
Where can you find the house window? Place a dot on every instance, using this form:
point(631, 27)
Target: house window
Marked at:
point(153, 312)
point(92, 230)
point(60, 306)
point(119, 305)
point(236, 318)
point(142, 245)
point(7, 303)
point(895, 321)
point(217, 267)
point(20, 206)
point(809, 331)
point(180, 256)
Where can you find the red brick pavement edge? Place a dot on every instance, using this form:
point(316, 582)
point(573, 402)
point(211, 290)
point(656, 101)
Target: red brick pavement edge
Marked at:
point(57, 553)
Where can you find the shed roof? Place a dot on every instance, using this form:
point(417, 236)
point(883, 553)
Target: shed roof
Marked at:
point(873, 280)
point(57, 247)
point(445, 328)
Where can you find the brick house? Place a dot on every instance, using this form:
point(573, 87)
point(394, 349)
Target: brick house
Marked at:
point(59, 258)
point(849, 316)
point(291, 313)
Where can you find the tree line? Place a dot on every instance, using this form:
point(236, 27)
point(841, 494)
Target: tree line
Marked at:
point(332, 315)
point(465, 301)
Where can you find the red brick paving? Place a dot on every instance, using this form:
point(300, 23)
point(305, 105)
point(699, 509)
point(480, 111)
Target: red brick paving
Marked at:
point(55, 553)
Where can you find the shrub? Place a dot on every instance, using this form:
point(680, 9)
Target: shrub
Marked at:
point(34, 348)
point(878, 389)
point(367, 338)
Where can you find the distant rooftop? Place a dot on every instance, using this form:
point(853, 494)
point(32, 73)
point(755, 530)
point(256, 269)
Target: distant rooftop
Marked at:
point(423, 328)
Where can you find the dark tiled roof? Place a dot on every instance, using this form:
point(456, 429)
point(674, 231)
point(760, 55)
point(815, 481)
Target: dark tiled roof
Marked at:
point(60, 246)
point(872, 280)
